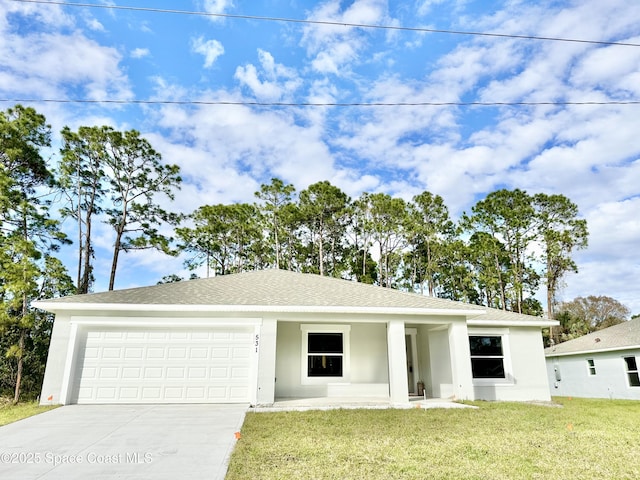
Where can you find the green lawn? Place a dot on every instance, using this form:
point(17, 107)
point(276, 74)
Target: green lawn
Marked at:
point(584, 439)
point(11, 413)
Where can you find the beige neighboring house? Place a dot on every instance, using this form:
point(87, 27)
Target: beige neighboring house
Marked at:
point(262, 336)
point(602, 364)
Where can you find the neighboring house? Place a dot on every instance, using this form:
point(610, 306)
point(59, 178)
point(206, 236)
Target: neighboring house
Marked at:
point(602, 364)
point(261, 336)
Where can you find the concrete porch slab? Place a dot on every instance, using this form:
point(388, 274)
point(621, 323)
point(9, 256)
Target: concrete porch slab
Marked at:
point(350, 403)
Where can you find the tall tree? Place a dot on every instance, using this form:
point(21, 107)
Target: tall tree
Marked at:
point(491, 268)
point(360, 236)
point(388, 221)
point(323, 214)
point(82, 180)
point(27, 233)
point(276, 197)
point(428, 229)
point(454, 275)
point(223, 237)
point(137, 178)
point(509, 216)
point(560, 231)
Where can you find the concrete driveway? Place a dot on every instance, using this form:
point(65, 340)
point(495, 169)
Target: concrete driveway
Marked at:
point(121, 441)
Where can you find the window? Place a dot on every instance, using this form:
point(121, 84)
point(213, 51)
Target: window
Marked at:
point(592, 366)
point(632, 371)
point(325, 354)
point(487, 356)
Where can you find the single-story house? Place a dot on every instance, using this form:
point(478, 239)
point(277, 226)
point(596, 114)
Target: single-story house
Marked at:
point(602, 364)
point(261, 336)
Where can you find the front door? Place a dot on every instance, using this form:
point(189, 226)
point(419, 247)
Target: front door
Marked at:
point(413, 376)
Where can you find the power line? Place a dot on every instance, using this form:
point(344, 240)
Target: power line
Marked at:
point(330, 23)
point(320, 104)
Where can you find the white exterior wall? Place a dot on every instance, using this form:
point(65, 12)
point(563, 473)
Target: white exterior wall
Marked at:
point(441, 380)
point(56, 360)
point(398, 379)
point(368, 363)
point(610, 380)
point(266, 345)
point(524, 364)
point(424, 359)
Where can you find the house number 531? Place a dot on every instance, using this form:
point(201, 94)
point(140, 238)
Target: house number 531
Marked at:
point(257, 342)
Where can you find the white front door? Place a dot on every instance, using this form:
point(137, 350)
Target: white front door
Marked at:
point(413, 373)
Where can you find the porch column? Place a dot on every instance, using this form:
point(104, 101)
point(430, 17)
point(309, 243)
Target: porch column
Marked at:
point(460, 361)
point(397, 355)
point(266, 362)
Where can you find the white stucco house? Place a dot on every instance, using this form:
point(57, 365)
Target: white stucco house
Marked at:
point(262, 336)
point(602, 364)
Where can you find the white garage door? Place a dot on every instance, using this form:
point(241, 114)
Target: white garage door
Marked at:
point(163, 366)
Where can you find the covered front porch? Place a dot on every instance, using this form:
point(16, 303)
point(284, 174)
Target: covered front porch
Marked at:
point(371, 364)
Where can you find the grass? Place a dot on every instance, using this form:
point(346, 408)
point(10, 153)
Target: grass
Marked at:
point(12, 413)
point(585, 439)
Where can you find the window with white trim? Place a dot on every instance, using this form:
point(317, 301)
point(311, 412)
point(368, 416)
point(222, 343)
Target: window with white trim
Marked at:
point(487, 357)
point(591, 364)
point(325, 353)
point(632, 371)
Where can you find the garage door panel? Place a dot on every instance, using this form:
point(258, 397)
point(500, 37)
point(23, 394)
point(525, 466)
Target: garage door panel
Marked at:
point(156, 366)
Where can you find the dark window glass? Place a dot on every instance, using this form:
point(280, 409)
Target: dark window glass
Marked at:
point(487, 368)
point(325, 343)
point(485, 346)
point(631, 363)
point(325, 366)
point(632, 371)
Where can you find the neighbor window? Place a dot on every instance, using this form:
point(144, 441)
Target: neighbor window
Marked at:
point(632, 371)
point(487, 356)
point(325, 353)
point(592, 366)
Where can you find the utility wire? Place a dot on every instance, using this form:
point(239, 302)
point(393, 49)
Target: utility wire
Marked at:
point(327, 22)
point(318, 104)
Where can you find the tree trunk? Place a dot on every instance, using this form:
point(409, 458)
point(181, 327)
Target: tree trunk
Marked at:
point(550, 296)
point(500, 284)
point(16, 394)
point(116, 253)
point(85, 281)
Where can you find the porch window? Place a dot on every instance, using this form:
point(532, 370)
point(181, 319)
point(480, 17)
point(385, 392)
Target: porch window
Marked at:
point(487, 356)
point(632, 371)
point(325, 354)
point(324, 351)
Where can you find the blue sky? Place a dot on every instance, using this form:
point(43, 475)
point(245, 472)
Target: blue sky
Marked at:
point(590, 153)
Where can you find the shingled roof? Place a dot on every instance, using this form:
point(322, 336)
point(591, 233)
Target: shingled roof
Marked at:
point(623, 336)
point(274, 290)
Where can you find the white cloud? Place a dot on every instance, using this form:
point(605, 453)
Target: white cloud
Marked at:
point(216, 7)
point(95, 25)
point(210, 49)
point(33, 65)
point(140, 53)
point(279, 81)
point(334, 47)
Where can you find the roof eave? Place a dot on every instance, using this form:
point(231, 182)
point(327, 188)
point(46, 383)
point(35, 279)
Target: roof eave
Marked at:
point(591, 351)
point(56, 307)
point(543, 322)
